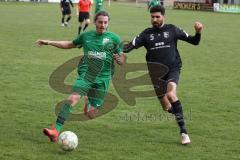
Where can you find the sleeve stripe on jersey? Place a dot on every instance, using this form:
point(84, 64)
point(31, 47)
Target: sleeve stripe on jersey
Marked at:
point(133, 42)
point(186, 33)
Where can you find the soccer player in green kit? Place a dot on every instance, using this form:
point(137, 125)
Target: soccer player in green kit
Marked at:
point(98, 6)
point(95, 71)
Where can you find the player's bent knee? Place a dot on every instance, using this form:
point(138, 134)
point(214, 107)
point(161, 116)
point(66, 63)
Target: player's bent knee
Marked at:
point(165, 108)
point(165, 103)
point(73, 98)
point(172, 97)
point(88, 21)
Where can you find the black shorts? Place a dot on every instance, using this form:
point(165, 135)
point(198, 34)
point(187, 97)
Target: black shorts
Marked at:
point(83, 16)
point(172, 75)
point(161, 75)
point(66, 11)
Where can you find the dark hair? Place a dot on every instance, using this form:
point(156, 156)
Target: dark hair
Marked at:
point(101, 13)
point(158, 9)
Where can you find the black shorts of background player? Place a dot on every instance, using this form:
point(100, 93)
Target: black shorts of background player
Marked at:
point(83, 16)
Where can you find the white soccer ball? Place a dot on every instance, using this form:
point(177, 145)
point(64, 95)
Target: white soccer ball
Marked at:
point(68, 141)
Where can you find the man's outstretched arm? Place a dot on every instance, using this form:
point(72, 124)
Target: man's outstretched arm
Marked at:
point(58, 44)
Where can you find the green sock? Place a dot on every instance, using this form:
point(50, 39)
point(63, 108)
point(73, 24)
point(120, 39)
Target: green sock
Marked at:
point(63, 115)
point(58, 126)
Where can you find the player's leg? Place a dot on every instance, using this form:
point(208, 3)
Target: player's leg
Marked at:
point(80, 20)
point(176, 105)
point(159, 77)
point(85, 105)
point(79, 89)
point(69, 16)
point(170, 96)
point(80, 27)
point(177, 111)
point(171, 103)
point(98, 8)
point(63, 18)
point(65, 111)
point(91, 109)
point(88, 109)
point(63, 115)
point(87, 20)
point(96, 97)
point(166, 105)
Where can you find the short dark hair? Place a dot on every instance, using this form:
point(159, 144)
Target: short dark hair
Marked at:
point(158, 9)
point(101, 13)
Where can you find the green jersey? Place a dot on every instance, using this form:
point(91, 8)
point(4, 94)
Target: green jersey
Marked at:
point(97, 62)
point(99, 4)
point(153, 3)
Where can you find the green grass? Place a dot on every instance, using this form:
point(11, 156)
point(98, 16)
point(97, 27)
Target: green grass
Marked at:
point(209, 90)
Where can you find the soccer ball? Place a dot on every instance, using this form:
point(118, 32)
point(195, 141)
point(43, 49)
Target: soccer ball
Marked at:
point(68, 141)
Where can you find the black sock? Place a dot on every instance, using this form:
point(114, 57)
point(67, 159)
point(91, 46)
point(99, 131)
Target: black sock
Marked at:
point(178, 112)
point(62, 20)
point(68, 19)
point(79, 30)
point(86, 25)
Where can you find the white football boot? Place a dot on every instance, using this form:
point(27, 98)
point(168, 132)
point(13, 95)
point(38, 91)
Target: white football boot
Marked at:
point(65, 24)
point(185, 139)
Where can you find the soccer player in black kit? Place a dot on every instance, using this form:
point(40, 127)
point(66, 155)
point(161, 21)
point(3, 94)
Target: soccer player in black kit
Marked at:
point(66, 10)
point(160, 42)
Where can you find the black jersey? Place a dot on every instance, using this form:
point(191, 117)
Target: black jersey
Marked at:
point(161, 44)
point(66, 4)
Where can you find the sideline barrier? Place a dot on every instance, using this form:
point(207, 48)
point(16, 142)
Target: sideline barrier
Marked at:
point(226, 8)
point(192, 6)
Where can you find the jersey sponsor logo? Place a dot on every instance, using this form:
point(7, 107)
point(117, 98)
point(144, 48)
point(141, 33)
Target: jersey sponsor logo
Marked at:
point(166, 34)
point(159, 47)
point(95, 54)
point(159, 44)
point(105, 41)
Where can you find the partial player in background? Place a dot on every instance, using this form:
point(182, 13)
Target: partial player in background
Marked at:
point(66, 10)
point(160, 42)
point(98, 5)
point(83, 12)
point(152, 3)
point(95, 69)
point(161, 2)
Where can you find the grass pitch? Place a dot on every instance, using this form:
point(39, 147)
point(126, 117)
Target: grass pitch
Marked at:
point(209, 90)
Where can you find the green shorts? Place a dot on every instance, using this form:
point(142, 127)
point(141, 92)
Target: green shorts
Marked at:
point(96, 91)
